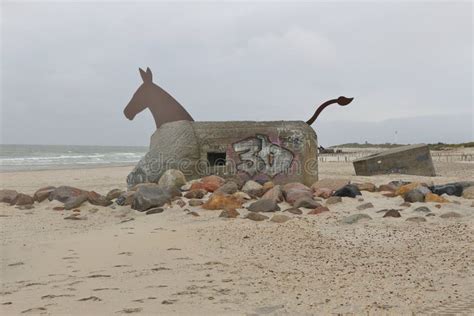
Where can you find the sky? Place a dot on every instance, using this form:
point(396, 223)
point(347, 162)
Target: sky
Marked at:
point(68, 69)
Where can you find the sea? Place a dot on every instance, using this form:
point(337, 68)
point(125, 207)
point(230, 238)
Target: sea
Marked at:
point(44, 157)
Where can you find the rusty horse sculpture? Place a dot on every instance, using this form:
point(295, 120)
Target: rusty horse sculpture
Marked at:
point(165, 108)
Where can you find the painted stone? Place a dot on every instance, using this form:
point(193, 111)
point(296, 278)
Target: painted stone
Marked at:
point(281, 151)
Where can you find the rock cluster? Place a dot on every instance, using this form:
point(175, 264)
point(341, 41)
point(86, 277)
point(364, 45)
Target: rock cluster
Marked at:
point(233, 194)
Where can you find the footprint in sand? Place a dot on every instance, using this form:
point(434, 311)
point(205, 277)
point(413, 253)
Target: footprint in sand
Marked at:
point(51, 296)
point(16, 264)
point(125, 253)
point(106, 289)
point(90, 298)
point(35, 310)
point(131, 310)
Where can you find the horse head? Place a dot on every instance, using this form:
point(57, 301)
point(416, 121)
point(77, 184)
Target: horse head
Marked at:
point(141, 98)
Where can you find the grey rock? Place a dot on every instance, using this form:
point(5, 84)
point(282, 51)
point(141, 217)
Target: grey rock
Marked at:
point(280, 218)
point(351, 219)
point(195, 194)
point(113, 194)
point(449, 189)
point(416, 219)
point(147, 197)
point(8, 196)
point(64, 193)
point(468, 193)
point(229, 187)
point(155, 210)
point(195, 202)
point(414, 196)
point(172, 178)
point(295, 211)
point(256, 217)
point(364, 206)
point(306, 203)
point(75, 202)
point(264, 205)
point(253, 188)
point(43, 193)
point(450, 215)
point(422, 209)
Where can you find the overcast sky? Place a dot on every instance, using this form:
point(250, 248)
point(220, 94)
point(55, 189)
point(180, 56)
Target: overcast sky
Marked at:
point(69, 69)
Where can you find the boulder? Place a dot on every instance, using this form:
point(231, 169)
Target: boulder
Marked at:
point(229, 213)
point(147, 197)
point(229, 187)
point(43, 193)
point(274, 193)
point(318, 210)
point(64, 193)
point(254, 216)
point(414, 196)
point(75, 201)
point(172, 178)
point(95, 198)
point(294, 191)
point(267, 186)
point(468, 193)
point(242, 196)
point(113, 194)
point(264, 205)
point(209, 183)
point(220, 201)
point(351, 219)
point(306, 203)
point(387, 188)
point(253, 188)
point(349, 190)
point(8, 196)
point(280, 218)
point(24, 199)
point(404, 189)
point(449, 189)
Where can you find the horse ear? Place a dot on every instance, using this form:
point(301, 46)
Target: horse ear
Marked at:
point(143, 74)
point(149, 75)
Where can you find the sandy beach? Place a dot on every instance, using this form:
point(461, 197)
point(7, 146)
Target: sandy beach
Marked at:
point(122, 261)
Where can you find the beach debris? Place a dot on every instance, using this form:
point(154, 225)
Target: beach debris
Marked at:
point(8, 196)
point(195, 202)
point(411, 159)
point(392, 213)
point(306, 203)
point(293, 210)
point(229, 213)
point(275, 193)
point(172, 178)
point(253, 188)
point(351, 219)
point(43, 193)
point(414, 196)
point(254, 216)
point(416, 219)
point(280, 218)
point(24, 199)
point(366, 186)
point(195, 194)
point(149, 196)
point(468, 193)
point(220, 201)
point(450, 215)
point(333, 200)
point(295, 190)
point(209, 183)
point(318, 210)
point(155, 210)
point(364, 206)
point(264, 205)
point(348, 190)
point(113, 194)
point(229, 187)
